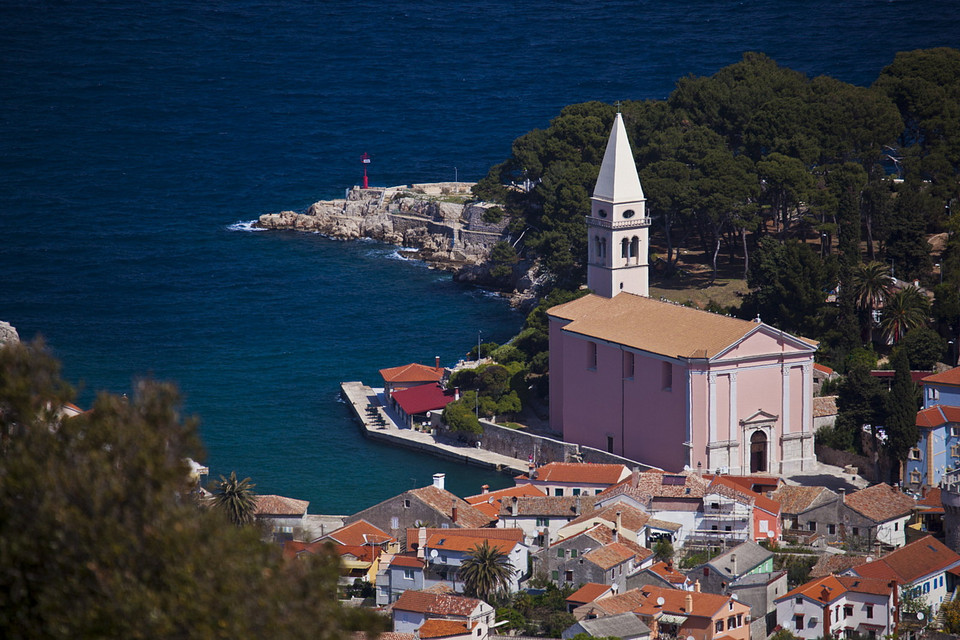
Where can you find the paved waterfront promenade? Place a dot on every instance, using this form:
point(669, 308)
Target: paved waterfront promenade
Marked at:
point(360, 397)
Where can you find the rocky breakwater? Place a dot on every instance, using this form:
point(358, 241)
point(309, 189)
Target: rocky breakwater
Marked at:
point(437, 220)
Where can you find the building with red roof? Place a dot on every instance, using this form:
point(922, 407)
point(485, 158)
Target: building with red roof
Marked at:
point(412, 404)
point(841, 606)
point(925, 567)
point(938, 448)
point(413, 608)
point(280, 514)
point(410, 375)
point(576, 478)
point(490, 502)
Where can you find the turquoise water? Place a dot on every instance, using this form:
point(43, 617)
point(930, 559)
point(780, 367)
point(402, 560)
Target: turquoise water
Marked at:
point(134, 135)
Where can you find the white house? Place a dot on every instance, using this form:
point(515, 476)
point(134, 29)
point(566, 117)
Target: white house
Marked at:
point(414, 608)
point(921, 568)
point(445, 552)
point(833, 606)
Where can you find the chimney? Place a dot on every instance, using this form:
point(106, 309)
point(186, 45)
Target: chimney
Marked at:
point(733, 561)
point(456, 393)
point(576, 506)
point(696, 586)
point(485, 489)
point(616, 536)
point(619, 521)
point(635, 477)
point(438, 480)
point(437, 362)
point(669, 564)
point(422, 542)
point(513, 506)
point(896, 602)
point(453, 511)
point(688, 602)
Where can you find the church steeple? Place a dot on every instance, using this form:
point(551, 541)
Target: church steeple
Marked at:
point(617, 227)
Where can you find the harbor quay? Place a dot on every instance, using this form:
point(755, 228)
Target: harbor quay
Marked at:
point(380, 423)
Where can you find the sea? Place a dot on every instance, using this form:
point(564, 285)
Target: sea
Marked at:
point(139, 139)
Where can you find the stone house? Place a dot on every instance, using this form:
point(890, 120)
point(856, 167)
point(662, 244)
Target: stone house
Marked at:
point(840, 606)
point(280, 515)
point(759, 591)
point(597, 555)
point(717, 574)
point(432, 505)
point(626, 519)
point(489, 502)
point(660, 574)
point(626, 626)
point(671, 613)
point(808, 509)
point(541, 517)
point(880, 513)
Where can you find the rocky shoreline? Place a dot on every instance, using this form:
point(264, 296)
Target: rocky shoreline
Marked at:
point(438, 221)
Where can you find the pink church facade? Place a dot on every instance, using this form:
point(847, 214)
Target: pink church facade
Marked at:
point(671, 386)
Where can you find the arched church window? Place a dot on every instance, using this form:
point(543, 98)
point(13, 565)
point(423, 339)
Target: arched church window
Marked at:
point(635, 249)
point(628, 214)
point(624, 248)
point(603, 247)
point(596, 245)
point(602, 213)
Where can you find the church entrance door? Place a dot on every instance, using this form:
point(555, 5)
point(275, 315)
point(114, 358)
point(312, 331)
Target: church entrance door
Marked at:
point(758, 452)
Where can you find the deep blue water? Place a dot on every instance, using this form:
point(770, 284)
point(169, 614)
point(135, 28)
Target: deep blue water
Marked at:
point(133, 134)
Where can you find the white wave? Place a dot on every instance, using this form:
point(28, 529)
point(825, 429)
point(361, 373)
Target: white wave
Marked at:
point(244, 226)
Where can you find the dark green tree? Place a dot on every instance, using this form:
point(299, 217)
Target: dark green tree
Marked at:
point(860, 402)
point(100, 536)
point(902, 405)
point(486, 571)
point(460, 415)
point(503, 258)
point(871, 284)
point(904, 310)
point(923, 348)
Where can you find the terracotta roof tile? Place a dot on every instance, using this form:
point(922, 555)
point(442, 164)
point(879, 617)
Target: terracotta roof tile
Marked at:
point(359, 533)
point(668, 572)
point(654, 326)
point(951, 376)
point(674, 602)
point(880, 503)
point(453, 541)
point(581, 472)
point(824, 406)
point(280, 506)
point(412, 373)
point(823, 368)
point(937, 415)
point(830, 563)
point(910, 562)
point(293, 548)
point(646, 486)
point(932, 502)
point(630, 517)
point(557, 506)
point(441, 604)
point(489, 503)
point(829, 588)
point(386, 635)
point(589, 592)
point(745, 496)
point(406, 561)
point(436, 628)
point(509, 534)
point(442, 501)
point(604, 535)
point(794, 499)
point(610, 555)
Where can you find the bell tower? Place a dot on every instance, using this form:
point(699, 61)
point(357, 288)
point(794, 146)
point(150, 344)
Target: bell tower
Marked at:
point(618, 226)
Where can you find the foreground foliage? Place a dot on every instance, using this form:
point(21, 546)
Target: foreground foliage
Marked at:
point(100, 535)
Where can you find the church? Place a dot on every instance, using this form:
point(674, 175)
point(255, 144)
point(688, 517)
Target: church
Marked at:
point(663, 384)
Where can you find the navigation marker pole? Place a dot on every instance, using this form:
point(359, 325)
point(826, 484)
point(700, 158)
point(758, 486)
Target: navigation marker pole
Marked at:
point(365, 159)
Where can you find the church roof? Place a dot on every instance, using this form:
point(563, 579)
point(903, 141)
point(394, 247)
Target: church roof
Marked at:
point(618, 180)
point(657, 327)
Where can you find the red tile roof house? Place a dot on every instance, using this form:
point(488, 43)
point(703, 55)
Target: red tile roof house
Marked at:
point(840, 606)
point(926, 567)
point(629, 521)
point(489, 501)
point(661, 574)
point(451, 630)
point(413, 404)
point(444, 550)
point(732, 512)
point(575, 478)
point(433, 504)
point(542, 517)
point(588, 593)
point(280, 515)
point(671, 613)
point(880, 512)
point(410, 375)
point(414, 608)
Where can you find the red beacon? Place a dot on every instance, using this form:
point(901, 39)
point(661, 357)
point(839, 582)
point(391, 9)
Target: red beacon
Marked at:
point(365, 159)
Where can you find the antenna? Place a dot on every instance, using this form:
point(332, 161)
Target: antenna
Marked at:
point(434, 553)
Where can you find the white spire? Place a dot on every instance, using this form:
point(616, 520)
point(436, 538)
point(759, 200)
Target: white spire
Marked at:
point(618, 180)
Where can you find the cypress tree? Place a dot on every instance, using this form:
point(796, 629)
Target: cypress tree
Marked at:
point(902, 405)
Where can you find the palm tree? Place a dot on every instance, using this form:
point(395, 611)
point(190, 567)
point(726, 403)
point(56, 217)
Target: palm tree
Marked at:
point(870, 287)
point(235, 498)
point(486, 571)
point(906, 309)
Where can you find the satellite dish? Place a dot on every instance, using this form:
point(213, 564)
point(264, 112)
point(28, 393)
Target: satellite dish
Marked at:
point(690, 638)
point(770, 534)
point(736, 597)
point(434, 553)
point(660, 601)
point(919, 615)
